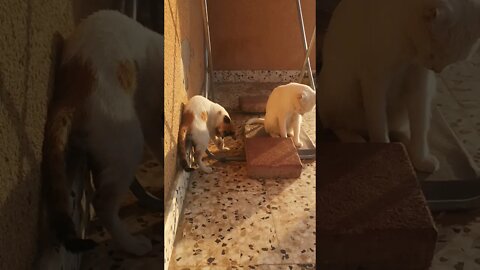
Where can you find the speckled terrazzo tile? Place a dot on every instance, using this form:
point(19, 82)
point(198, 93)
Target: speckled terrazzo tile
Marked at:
point(305, 266)
point(466, 93)
point(226, 229)
point(256, 75)
point(226, 177)
point(294, 219)
point(443, 96)
point(139, 221)
point(465, 126)
point(464, 70)
point(458, 245)
point(108, 256)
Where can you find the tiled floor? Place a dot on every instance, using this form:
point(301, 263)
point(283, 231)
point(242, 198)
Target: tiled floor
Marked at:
point(139, 221)
point(458, 97)
point(233, 222)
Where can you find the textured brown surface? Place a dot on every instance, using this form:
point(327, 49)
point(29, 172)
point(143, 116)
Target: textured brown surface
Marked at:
point(29, 40)
point(269, 157)
point(253, 104)
point(371, 211)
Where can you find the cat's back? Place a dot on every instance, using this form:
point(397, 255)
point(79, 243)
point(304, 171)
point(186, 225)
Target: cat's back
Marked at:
point(288, 91)
point(107, 35)
point(198, 104)
point(281, 97)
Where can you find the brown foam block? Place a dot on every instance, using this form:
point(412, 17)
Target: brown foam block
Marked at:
point(253, 104)
point(372, 214)
point(269, 157)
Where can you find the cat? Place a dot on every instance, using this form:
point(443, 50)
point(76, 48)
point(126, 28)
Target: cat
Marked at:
point(286, 105)
point(202, 121)
point(108, 102)
point(377, 74)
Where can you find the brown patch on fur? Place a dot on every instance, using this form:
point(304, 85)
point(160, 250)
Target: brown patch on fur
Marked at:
point(65, 115)
point(187, 119)
point(126, 75)
point(224, 128)
point(204, 116)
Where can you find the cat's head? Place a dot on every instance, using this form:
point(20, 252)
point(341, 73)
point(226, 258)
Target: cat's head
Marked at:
point(224, 126)
point(453, 30)
point(306, 100)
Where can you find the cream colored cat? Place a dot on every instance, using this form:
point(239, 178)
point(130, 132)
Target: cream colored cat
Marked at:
point(202, 121)
point(285, 107)
point(109, 101)
point(376, 77)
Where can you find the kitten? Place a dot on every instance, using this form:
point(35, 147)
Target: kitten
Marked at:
point(285, 107)
point(376, 77)
point(202, 121)
point(109, 101)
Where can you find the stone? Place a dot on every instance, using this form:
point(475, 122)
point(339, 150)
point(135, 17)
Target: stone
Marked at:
point(372, 214)
point(269, 157)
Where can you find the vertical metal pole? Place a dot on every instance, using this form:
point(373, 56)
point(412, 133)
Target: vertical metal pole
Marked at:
point(134, 9)
point(209, 82)
point(307, 57)
point(304, 39)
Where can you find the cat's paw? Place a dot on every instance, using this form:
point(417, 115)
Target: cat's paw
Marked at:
point(429, 164)
point(139, 245)
point(298, 144)
point(290, 134)
point(206, 169)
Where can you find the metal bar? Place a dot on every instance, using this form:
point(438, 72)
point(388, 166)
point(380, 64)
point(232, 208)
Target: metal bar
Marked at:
point(304, 39)
point(134, 9)
point(123, 5)
point(307, 56)
point(209, 87)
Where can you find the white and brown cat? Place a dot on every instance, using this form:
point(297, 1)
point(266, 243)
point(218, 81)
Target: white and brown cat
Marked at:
point(109, 102)
point(376, 78)
point(286, 105)
point(202, 121)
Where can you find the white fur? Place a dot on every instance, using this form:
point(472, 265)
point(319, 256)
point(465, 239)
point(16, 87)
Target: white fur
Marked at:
point(118, 123)
point(201, 132)
point(376, 76)
point(285, 107)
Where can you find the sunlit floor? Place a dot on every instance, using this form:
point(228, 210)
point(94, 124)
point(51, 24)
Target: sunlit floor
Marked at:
point(458, 97)
point(233, 222)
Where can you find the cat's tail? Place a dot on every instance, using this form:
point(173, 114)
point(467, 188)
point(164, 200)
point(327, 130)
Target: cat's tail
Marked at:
point(182, 145)
point(255, 121)
point(55, 186)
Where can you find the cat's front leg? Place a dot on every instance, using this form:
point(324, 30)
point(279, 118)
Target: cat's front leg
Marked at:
point(282, 126)
point(199, 154)
point(219, 143)
point(297, 123)
point(421, 87)
point(374, 93)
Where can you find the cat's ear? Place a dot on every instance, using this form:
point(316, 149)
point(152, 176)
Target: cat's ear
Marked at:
point(438, 17)
point(226, 119)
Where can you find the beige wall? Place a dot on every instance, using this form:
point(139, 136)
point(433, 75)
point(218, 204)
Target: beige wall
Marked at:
point(184, 70)
point(30, 37)
point(259, 35)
